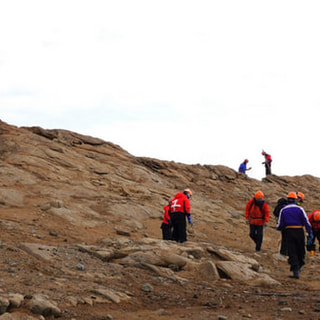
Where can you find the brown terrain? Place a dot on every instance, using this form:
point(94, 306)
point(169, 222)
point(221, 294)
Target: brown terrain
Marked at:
point(81, 239)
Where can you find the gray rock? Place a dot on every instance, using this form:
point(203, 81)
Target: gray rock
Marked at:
point(80, 267)
point(208, 271)
point(40, 304)
point(147, 287)
point(112, 295)
point(18, 316)
point(4, 304)
point(15, 300)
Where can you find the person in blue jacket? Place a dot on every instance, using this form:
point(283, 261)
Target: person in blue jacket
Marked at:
point(293, 219)
point(243, 166)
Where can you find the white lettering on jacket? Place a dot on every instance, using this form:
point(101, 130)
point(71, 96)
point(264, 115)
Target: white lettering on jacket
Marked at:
point(174, 205)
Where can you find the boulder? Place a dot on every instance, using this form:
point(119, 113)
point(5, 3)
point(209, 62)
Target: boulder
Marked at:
point(40, 304)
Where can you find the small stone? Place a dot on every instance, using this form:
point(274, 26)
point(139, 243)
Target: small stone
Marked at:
point(162, 312)
point(147, 287)
point(80, 267)
point(286, 309)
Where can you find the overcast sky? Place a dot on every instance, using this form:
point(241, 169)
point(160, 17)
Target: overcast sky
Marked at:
point(209, 82)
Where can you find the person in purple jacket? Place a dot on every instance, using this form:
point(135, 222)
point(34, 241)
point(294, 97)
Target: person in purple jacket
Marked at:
point(243, 166)
point(293, 219)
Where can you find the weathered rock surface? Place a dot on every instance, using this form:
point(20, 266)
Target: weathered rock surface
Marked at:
point(81, 239)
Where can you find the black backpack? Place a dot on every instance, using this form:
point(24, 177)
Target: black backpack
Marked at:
point(282, 202)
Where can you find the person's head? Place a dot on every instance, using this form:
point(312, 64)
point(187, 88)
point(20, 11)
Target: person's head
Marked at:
point(316, 216)
point(246, 160)
point(188, 193)
point(259, 197)
point(300, 197)
point(292, 197)
point(263, 153)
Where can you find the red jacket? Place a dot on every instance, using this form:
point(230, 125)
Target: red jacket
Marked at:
point(256, 215)
point(166, 216)
point(180, 203)
point(314, 224)
point(268, 158)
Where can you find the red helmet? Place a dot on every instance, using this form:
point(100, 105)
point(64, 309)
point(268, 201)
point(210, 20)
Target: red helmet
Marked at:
point(316, 216)
point(259, 195)
point(292, 195)
point(300, 196)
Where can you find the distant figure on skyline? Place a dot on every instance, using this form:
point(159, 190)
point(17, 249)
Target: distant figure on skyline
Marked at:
point(267, 162)
point(243, 166)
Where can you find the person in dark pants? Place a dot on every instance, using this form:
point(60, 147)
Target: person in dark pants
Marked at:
point(267, 162)
point(166, 225)
point(257, 212)
point(294, 219)
point(179, 211)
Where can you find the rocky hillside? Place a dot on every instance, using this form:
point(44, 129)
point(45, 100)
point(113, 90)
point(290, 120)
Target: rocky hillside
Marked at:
point(81, 239)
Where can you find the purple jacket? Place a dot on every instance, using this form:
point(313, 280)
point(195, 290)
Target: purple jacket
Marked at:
point(293, 216)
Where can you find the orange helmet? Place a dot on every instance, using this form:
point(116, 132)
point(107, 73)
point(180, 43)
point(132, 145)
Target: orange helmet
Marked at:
point(292, 195)
point(246, 160)
point(188, 191)
point(300, 196)
point(259, 195)
point(316, 216)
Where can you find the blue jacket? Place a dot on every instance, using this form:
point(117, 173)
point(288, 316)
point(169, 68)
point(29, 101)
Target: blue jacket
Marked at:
point(293, 216)
point(243, 167)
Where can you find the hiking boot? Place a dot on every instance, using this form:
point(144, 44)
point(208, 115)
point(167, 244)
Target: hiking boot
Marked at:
point(295, 275)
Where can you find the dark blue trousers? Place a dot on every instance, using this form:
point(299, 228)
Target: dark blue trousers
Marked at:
point(256, 234)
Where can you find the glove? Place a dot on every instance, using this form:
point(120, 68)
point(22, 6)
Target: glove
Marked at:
point(190, 221)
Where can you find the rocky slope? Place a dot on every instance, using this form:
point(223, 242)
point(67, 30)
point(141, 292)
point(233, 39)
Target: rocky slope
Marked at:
point(80, 236)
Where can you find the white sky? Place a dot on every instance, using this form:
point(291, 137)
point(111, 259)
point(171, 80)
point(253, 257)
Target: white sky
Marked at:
point(209, 82)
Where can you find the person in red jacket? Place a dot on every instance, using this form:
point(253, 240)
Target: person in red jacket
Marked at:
point(166, 225)
point(179, 210)
point(257, 212)
point(314, 219)
point(267, 162)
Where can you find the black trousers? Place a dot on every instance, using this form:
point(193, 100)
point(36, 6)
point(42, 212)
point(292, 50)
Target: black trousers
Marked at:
point(316, 235)
point(283, 247)
point(179, 224)
point(166, 231)
point(296, 248)
point(256, 234)
point(268, 168)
